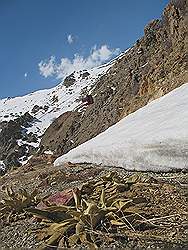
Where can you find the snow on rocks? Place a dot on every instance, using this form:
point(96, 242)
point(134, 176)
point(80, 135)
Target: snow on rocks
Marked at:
point(46, 105)
point(48, 152)
point(2, 167)
point(154, 138)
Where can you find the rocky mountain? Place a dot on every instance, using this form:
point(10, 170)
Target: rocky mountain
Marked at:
point(52, 121)
point(12, 132)
point(154, 66)
point(23, 120)
point(153, 138)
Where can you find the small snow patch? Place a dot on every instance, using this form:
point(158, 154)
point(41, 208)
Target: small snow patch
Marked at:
point(48, 152)
point(2, 165)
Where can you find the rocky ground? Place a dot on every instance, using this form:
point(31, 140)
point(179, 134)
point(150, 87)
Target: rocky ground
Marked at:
point(167, 194)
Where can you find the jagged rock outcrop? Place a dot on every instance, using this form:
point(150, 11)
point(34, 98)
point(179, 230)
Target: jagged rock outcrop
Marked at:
point(85, 74)
point(69, 80)
point(10, 132)
point(154, 66)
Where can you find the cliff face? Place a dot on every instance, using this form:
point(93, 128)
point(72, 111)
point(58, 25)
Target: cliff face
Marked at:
point(10, 133)
point(154, 66)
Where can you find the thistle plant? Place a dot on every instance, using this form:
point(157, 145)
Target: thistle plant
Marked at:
point(15, 202)
point(99, 212)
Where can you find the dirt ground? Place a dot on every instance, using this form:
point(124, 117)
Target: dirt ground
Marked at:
point(166, 193)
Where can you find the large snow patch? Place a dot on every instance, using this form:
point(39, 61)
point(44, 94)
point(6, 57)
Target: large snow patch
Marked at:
point(153, 138)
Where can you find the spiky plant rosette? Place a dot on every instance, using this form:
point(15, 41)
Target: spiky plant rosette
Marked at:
point(15, 203)
point(100, 212)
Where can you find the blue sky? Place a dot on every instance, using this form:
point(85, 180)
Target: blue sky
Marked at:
point(34, 31)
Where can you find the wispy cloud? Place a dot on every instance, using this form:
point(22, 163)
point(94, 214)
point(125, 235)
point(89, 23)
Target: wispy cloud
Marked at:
point(66, 66)
point(70, 39)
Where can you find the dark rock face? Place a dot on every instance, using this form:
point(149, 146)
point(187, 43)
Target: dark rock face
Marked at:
point(69, 80)
point(10, 132)
point(35, 109)
point(154, 66)
point(85, 75)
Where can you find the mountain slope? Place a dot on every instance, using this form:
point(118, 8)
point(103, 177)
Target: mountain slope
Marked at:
point(45, 105)
point(51, 120)
point(153, 138)
point(23, 120)
point(154, 66)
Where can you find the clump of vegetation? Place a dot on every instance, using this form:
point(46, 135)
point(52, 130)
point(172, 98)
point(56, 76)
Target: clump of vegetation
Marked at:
point(100, 213)
point(15, 203)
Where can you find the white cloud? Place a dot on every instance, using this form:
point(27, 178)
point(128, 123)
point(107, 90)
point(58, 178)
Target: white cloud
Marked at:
point(66, 66)
point(70, 39)
point(26, 74)
point(47, 67)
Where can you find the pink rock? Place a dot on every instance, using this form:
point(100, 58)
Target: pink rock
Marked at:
point(60, 198)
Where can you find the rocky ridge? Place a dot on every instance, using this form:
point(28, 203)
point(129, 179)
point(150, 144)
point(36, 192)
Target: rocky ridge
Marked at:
point(11, 153)
point(39, 110)
point(154, 66)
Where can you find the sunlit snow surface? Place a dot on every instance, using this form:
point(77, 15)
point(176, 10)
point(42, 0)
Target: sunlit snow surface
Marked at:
point(153, 138)
point(11, 108)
